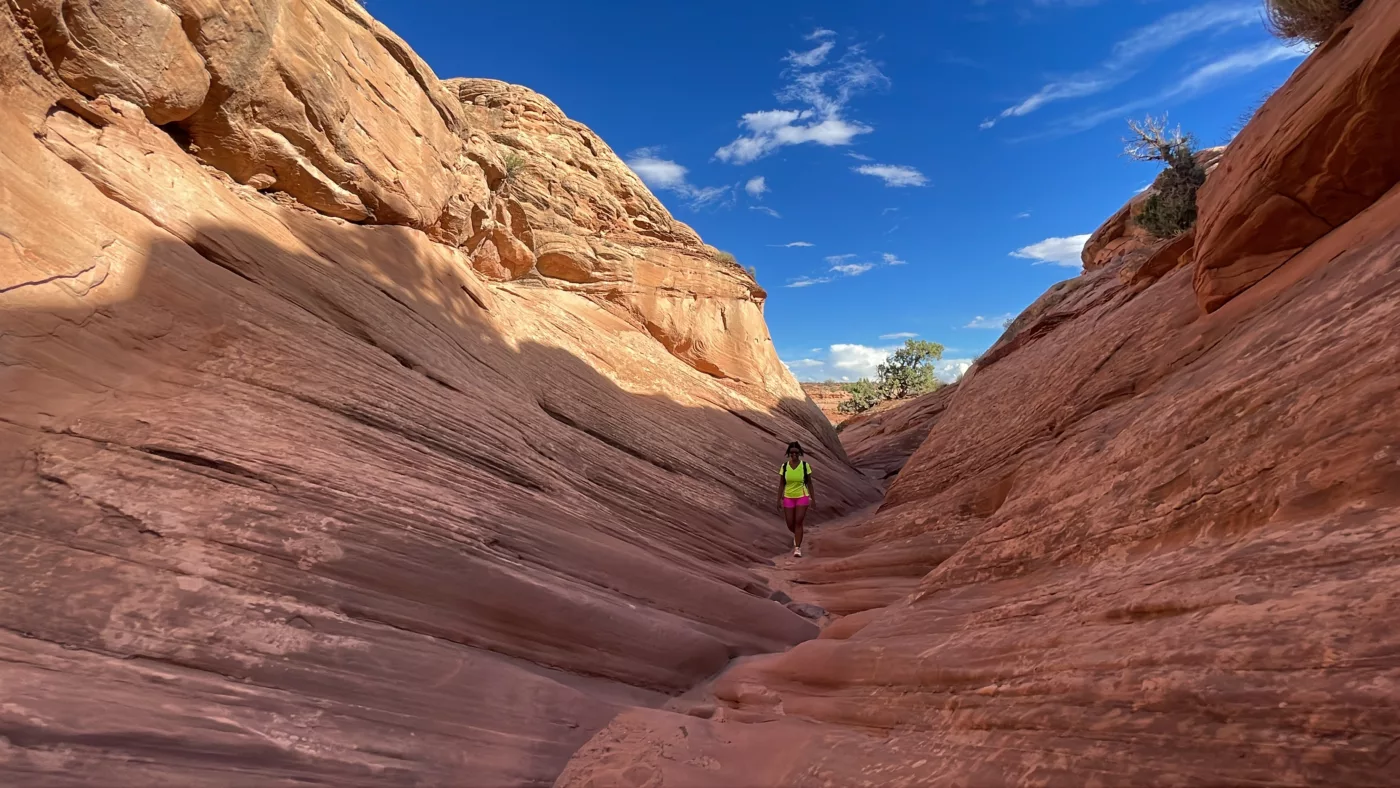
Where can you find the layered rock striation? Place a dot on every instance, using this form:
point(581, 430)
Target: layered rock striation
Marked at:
point(355, 427)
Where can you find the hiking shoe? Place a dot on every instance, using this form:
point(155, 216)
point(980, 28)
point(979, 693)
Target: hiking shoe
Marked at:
point(796, 552)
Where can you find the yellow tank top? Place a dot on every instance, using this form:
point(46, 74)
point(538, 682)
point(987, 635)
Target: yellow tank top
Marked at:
point(795, 479)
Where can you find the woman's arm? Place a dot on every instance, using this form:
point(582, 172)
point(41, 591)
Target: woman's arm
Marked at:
point(782, 489)
point(812, 487)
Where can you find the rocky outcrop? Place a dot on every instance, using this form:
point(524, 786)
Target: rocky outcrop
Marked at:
point(881, 440)
point(316, 100)
point(1317, 154)
point(293, 499)
point(563, 210)
point(1121, 238)
point(1144, 544)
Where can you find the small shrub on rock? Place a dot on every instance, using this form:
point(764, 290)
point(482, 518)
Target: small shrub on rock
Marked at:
point(1308, 20)
point(864, 396)
point(1171, 209)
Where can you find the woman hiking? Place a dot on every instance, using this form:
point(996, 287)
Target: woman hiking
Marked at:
point(795, 493)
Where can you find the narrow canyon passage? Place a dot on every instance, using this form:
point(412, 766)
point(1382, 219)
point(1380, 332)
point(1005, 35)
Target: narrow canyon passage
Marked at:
point(362, 428)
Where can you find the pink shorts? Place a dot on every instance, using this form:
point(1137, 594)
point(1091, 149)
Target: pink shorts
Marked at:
point(793, 503)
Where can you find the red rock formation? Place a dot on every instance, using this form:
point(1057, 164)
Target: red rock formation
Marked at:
point(1144, 545)
point(1318, 153)
point(881, 440)
point(1120, 237)
point(288, 499)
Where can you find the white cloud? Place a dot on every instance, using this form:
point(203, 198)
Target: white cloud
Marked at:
point(857, 361)
point(848, 362)
point(853, 269)
point(808, 281)
point(793, 245)
point(818, 34)
point(1056, 251)
point(899, 335)
point(657, 173)
point(950, 369)
point(824, 95)
point(767, 210)
point(894, 174)
point(756, 186)
point(1023, 215)
point(666, 175)
point(859, 156)
point(812, 57)
point(997, 322)
point(893, 260)
point(1141, 44)
point(838, 258)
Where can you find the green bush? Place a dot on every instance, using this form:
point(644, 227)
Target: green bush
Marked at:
point(1171, 209)
point(725, 257)
point(864, 396)
point(1307, 20)
point(909, 370)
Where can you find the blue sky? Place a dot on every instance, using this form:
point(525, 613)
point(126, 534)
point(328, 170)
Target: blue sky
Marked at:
point(889, 168)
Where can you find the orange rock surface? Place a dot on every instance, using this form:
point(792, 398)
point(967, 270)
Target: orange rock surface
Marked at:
point(289, 499)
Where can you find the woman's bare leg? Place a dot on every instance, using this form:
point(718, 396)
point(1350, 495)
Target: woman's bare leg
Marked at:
point(790, 515)
point(796, 528)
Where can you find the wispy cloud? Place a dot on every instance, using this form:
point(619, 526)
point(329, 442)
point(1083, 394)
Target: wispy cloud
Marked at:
point(859, 156)
point(997, 322)
point(793, 245)
point(823, 94)
point(818, 34)
point(899, 335)
point(767, 210)
point(893, 174)
point(667, 175)
point(893, 260)
point(1023, 215)
point(808, 281)
point(812, 57)
point(757, 186)
point(1130, 51)
point(852, 269)
point(1055, 251)
point(834, 259)
point(1206, 78)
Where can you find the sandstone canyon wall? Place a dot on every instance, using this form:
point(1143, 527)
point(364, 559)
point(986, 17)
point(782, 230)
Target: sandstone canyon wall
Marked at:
point(355, 427)
point(880, 441)
point(1154, 537)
